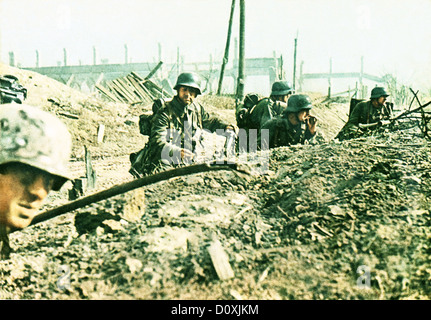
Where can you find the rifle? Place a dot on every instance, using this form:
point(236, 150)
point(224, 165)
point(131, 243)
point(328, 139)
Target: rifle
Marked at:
point(374, 124)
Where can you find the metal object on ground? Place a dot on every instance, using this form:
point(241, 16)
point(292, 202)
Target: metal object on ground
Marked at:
point(11, 90)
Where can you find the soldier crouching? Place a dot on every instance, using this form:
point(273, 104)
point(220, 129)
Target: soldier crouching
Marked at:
point(295, 126)
point(175, 130)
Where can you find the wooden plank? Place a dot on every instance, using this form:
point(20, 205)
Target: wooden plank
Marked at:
point(100, 133)
point(156, 68)
point(153, 88)
point(118, 86)
point(129, 89)
point(89, 171)
point(125, 89)
point(150, 94)
point(113, 90)
point(139, 90)
point(137, 76)
point(220, 261)
point(107, 93)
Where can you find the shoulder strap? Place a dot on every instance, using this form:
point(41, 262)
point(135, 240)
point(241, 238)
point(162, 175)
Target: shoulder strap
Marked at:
point(198, 109)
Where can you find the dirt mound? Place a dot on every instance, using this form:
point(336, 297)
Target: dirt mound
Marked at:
point(308, 229)
point(82, 113)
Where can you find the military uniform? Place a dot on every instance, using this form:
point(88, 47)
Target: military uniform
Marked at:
point(283, 133)
point(365, 113)
point(174, 126)
point(263, 111)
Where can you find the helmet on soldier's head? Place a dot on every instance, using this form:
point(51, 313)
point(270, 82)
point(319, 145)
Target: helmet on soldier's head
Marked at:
point(37, 138)
point(281, 88)
point(188, 79)
point(298, 102)
point(378, 92)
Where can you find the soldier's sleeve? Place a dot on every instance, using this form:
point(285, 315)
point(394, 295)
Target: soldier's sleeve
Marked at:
point(266, 114)
point(211, 122)
point(164, 140)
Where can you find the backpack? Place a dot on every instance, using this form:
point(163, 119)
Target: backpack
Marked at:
point(243, 109)
point(145, 120)
point(353, 103)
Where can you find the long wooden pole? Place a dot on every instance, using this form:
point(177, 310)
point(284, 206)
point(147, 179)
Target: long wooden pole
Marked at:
point(294, 62)
point(241, 62)
point(128, 186)
point(226, 50)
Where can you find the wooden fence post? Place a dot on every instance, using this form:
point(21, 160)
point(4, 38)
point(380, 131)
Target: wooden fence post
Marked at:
point(226, 50)
point(294, 61)
point(241, 62)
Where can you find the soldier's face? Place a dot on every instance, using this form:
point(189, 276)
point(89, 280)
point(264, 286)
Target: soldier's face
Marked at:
point(381, 101)
point(303, 114)
point(21, 195)
point(187, 94)
point(283, 98)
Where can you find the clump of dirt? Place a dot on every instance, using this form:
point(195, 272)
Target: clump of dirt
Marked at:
point(346, 220)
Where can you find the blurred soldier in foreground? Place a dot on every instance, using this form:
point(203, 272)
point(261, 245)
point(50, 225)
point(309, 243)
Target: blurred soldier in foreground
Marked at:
point(35, 148)
point(294, 126)
point(176, 129)
point(367, 115)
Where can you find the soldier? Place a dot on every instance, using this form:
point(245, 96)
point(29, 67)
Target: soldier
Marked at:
point(35, 148)
point(294, 126)
point(271, 107)
point(372, 111)
point(175, 129)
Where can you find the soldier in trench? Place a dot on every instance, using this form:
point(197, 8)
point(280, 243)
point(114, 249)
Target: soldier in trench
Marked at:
point(295, 125)
point(268, 108)
point(175, 130)
point(367, 115)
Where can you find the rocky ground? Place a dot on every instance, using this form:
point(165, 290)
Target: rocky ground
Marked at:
point(338, 220)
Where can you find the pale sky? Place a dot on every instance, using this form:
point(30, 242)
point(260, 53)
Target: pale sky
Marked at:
point(392, 35)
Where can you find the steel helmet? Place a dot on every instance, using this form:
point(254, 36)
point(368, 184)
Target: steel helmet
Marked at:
point(378, 92)
point(298, 102)
point(281, 88)
point(34, 137)
point(188, 79)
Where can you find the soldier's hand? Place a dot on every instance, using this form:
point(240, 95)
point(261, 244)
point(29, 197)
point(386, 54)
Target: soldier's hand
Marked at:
point(311, 123)
point(233, 128)
point(186, 154)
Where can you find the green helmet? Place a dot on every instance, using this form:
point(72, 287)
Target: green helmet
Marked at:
point(378, 92)
point(281, 88)
point(34, 137)
point(298, 102)
point(188, 79)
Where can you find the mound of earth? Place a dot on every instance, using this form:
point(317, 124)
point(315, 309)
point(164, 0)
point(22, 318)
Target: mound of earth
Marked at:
point(346, 220)
point(83, 114)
